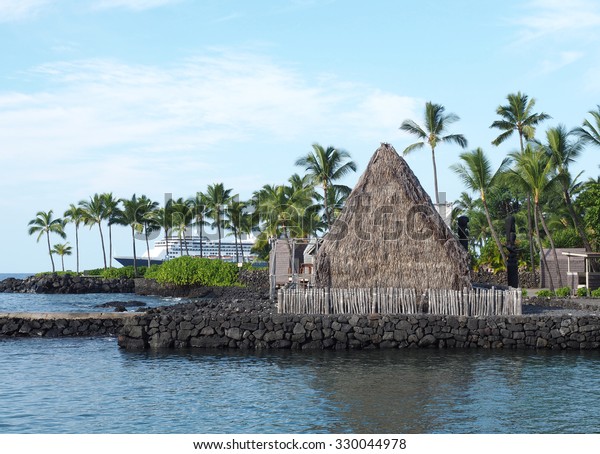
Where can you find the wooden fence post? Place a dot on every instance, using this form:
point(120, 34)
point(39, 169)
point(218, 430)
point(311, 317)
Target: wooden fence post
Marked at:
point(280, 301)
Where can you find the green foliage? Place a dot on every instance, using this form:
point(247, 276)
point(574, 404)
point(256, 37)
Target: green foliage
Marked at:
point(596, 293)
point(57, 273)
point(116, 273)
point(582, 291)
point(563, 292)
point(588, 202)
point(189, 270)
point(93, 272)
point(545, 293)
point(490, 257)
point(152, 271)
point(126, 272)
point(565, 238)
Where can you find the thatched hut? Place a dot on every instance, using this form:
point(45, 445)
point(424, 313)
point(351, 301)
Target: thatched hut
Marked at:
point(390, 235)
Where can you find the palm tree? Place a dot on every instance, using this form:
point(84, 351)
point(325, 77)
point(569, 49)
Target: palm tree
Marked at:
point(132, 215)
point(564, 152)
point(111, 210)
point(62, 250)
point(149, 221)
point(76, 216)
point(311, 217)
point(476, 174)
point(326, 166)
point(248, 222)
point(518, 116)
point(198, 206)
point(534, 171)
point(282, 211)
point(95, 213)
point(44, 224)
point(590, 132)
point(233, 221)
point(163, 216)
point(435, 126)
point(217, 198)
point(182, 217)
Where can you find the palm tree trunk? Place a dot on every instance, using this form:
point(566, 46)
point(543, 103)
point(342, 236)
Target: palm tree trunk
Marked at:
point(242, 248)
point(147, 246)
point(102, 241)
point(62, 261)
point(543, 256)
point(167, 241)
point(110, 245)
point(180, 243)
point(530, 234)
point(187, 252)
point(493, 231)
point(560, 282)
point(326, 206)
point(201, 237)
point(237, 255)
point(50, 251)
point(435, 181)
point(219, 233)
point(77, 246)
point(134, 253)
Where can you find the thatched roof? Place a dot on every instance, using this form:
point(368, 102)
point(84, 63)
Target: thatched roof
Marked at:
point(390, 235)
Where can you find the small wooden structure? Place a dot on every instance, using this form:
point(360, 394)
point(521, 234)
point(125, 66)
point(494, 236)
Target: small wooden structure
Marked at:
point(582, 278)
point(299, 270)
point(548, 276)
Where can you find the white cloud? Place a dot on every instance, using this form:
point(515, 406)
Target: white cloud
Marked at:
point(559, 61)
point(557, 19)
point(134, 5)
point(13, 10)
point(107, 124)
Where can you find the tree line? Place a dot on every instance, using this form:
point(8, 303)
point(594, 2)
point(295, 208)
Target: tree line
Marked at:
point(552, 207)
point(304, 206)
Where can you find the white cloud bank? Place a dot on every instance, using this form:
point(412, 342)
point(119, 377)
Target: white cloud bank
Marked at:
point(116, 123)
point(14, 10)
point(558, 19)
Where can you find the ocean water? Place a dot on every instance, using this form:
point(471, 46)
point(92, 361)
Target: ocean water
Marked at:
point(91, 386)
point(86, 302)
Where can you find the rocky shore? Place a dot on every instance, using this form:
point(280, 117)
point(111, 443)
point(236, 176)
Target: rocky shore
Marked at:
point(252, 280)
point(262, 330)
point(56, 324)
point(245, 318)
point(55, 283)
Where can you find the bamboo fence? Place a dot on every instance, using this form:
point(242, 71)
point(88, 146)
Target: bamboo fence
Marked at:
point(469, 302)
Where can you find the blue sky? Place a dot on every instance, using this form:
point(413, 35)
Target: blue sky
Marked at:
point(156, 96)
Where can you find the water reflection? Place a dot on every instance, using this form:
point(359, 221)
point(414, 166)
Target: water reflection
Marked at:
point(410, 391)
point(90, 386)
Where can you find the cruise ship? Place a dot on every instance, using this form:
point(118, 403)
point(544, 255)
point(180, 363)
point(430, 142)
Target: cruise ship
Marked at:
point(194, 246)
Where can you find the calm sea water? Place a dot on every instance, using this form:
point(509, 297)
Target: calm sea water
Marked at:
point(32, 302)
point(91, 386)
point(87, 385)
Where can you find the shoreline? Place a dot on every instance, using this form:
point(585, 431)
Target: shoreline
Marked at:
point(245, 318)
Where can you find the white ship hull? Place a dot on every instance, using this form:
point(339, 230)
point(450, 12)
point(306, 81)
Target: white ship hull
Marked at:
point(229, 251)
